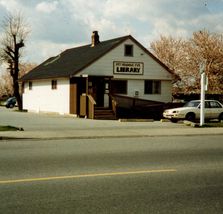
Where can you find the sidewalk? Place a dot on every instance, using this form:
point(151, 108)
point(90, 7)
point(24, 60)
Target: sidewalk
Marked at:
point(45, 126)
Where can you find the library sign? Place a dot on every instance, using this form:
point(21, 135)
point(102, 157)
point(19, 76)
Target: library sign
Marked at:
point(128, 68)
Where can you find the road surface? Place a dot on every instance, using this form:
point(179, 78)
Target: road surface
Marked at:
point(128, 175)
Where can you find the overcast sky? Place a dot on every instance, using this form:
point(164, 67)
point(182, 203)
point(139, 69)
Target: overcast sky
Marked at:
point(60, 24)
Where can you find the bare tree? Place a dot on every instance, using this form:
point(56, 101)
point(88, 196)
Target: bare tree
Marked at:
point(15, 33)
point(185, 56)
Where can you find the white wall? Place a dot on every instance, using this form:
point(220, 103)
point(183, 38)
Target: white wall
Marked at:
point(138, 85)
point(104, 66)
point(152, 71)
point(43, 99)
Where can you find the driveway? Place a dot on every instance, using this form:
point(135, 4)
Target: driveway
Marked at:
point(53, 122)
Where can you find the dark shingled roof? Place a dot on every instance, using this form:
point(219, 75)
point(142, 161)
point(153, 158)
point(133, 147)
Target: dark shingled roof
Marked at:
point(71, 61)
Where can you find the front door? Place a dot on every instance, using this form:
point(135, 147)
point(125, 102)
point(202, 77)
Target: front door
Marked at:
point(99, 89)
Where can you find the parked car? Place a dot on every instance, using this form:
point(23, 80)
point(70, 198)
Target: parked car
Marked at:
point(11, 102)
point(191, 111)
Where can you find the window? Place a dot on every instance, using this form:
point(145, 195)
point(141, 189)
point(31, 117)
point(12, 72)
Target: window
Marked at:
point(128, 50)
point(119, 86)
point(54, 84)
point(152, 87)
point(192, 104)
point(207, 105)
point(30, 86)
point(214, 104)
point(23, 88)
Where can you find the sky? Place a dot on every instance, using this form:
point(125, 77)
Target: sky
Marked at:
point(57, 25)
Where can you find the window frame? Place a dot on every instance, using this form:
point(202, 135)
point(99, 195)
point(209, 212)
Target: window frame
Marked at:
point(30, 84)
point(126, 48)
point(115, 89)
point(54, 84)
point(23, 88)
point(151, 87)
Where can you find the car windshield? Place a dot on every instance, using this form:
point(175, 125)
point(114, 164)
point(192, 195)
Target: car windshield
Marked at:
point(192, 104)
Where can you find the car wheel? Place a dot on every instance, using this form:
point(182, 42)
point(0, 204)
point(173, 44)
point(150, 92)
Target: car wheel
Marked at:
point(173, 120)
point(190, 116)
point(220, 117)
point(11, 106)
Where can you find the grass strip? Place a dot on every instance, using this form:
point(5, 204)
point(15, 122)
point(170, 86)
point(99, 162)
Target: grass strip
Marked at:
point(10, 128)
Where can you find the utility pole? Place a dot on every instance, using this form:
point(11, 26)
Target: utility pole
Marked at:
point(202, 98)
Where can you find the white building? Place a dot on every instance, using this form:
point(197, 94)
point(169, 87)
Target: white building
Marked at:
point(80, 79)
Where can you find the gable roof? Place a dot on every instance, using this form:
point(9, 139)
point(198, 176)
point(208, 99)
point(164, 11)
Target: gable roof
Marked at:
point(73, 60)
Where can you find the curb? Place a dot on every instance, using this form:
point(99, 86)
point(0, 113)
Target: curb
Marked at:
point(106, 137)
point(136, 120)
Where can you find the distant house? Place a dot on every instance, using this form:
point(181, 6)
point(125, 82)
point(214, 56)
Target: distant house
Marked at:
point(82, 79)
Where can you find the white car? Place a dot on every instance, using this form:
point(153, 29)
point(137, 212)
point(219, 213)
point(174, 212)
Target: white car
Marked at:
point(191, 111)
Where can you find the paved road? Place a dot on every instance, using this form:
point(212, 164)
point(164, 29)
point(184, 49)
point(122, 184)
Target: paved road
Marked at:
point(127, 175)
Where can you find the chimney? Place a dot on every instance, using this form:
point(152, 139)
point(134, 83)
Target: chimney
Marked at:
point(94, 38)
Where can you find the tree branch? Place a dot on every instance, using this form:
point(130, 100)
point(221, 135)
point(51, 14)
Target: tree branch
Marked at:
point(10, 52)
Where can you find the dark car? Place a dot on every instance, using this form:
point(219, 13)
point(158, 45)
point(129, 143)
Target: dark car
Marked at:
point(11, 102)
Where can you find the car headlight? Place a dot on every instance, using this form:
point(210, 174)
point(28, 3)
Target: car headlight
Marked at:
point(175, 112)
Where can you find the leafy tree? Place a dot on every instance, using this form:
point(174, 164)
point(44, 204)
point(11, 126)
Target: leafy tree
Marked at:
point(13, 39)
point(184, 57)
point(208, 47)
point(6, 83)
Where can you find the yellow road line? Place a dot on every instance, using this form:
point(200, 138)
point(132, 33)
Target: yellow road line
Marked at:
point(86, 176)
